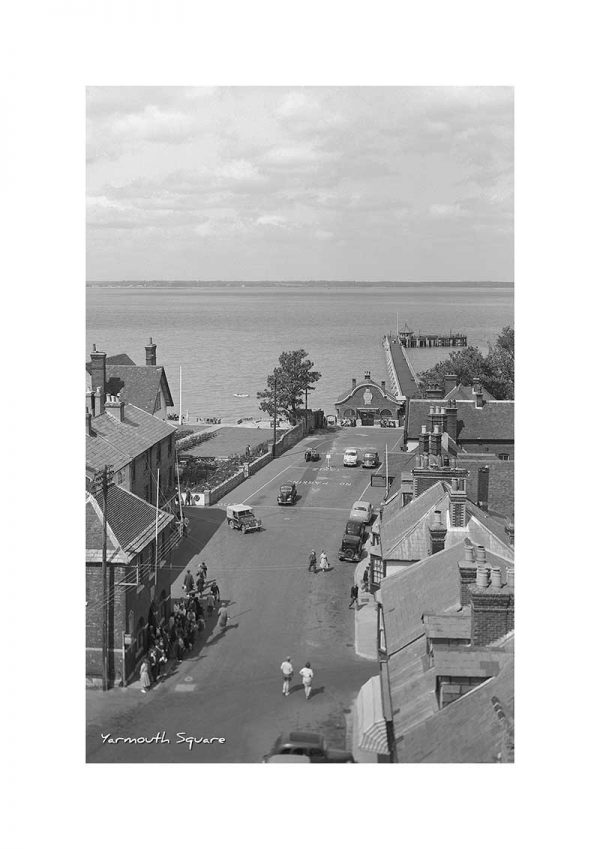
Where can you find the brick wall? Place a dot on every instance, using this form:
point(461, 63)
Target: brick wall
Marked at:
point(490, 618)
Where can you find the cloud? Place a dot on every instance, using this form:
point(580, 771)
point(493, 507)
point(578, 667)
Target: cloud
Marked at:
point(446, 210)
point(324, 235)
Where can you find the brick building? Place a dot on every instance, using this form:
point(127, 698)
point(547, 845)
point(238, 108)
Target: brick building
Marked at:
point(146, 387)
point(138, 544)
point(367, 402)
point(140, 448)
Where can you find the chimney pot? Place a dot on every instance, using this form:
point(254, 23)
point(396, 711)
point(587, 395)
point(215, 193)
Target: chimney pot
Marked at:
point(436, 429)
point(483, 575)
point(469, 553)
point(510, 577)
point(431, 411)
point(481, 558)
point(496, 577)
point(437, 519)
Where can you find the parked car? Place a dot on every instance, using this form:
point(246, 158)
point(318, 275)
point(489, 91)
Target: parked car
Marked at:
point(362, 511)
point(286, 759)
point(287, 493)
point(241, 518)
point(351, 457)
point(307, 744)
point(350, 548)
point(370, 459)
point(355, 528)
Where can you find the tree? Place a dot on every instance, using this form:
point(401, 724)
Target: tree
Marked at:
point(496, 370)
point(294, 375)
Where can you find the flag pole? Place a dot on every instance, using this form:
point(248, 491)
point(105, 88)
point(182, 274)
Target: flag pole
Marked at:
point(180, 393)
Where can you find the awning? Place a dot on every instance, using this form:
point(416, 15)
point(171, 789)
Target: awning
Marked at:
point(370, 732)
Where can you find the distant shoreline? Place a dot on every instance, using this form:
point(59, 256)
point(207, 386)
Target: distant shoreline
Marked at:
point(275, 284)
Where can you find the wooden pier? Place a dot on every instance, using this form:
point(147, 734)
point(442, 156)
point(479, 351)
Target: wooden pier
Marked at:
point(409, 339)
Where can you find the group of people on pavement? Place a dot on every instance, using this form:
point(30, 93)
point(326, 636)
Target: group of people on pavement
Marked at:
point(323, 564)
point(306, 674)
point(175, 638)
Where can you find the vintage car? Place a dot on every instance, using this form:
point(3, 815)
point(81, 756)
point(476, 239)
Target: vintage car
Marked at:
point(241, 518)
point(308, 745)
point(356, 528)
point(351, 457)
point(287, 493)
point(351, 548)
point(311, 454)
point(370, 458)
point(362, 511)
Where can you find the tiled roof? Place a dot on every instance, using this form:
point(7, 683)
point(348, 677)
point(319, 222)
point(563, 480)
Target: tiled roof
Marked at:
point(131, 521)
point(456, 626)
point(430, 585)
point(137, 385)
point(501, 482)
point(493, 421)
point(131, 437)
point(99, 452)
point(467, 731)
point(466, 393)
point(398, 520)
point(412, 685)
point(478, 662)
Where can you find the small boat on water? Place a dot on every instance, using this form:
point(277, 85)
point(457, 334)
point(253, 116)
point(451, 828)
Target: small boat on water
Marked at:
point(240, 394)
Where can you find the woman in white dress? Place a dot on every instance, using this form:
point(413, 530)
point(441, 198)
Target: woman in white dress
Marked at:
point(324, 562)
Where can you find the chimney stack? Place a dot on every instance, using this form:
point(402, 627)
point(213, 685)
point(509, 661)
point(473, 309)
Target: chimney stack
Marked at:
point(467, 572)
point(88, 423)
point(450, 382)
point(150, 353)
point(434, 390)
point(492, 607)
point(354, 383)
point(478, 392)
point(458, 503)
point(115, 407)
point(383, 385)
point(98, 401)
point(423, 440)
point(483, 570)
point(483, 486)
point(98, 373)
point(89, 401)
point(509, 530)
point(435, 441)
point(437, 533)
point(452, 419)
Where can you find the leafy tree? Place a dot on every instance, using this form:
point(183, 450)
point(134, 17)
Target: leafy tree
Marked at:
point(294, 375)
point(496, 370)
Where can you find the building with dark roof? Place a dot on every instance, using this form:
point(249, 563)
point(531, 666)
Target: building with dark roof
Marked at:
point(367, 402)
point(144, 386)
point(475, 426)
point(139, 538)
point(139, 447)
point(445, 628)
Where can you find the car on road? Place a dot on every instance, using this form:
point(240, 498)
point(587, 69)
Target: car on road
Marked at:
point(287, 493)
point(370, 459)
point(351, 548)
point(351, 457)
point(308, 745)
point(311, 454)
point(356, 528)
point(362, 511)
point(241, 518)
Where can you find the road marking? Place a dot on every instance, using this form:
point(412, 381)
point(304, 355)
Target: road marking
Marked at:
point(291, 466)
point(184, 688)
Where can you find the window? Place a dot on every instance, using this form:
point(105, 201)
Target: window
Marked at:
point(504, 456)
point(120, 476)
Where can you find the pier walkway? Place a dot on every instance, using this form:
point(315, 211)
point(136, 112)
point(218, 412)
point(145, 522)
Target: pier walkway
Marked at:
point(401, 372)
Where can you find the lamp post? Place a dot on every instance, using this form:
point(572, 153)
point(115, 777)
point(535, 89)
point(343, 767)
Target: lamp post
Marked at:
point(274, 413)
point(306, 409)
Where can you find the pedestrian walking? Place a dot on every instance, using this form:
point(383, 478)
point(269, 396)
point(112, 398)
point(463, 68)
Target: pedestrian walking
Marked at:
point(353, 596)
point(307, 675)
point(287, 670)
point(145, 675)
point(200, 579)
point(365, 579)
point(186, 526)
point(210, 604)
point(312, 562)
point(223, 617)
point(324, 562)
point(204, 568)
point(216, 592)
point(188, 582)
point(188, 497)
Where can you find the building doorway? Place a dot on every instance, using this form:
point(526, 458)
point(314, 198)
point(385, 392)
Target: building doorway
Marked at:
point(367, 417)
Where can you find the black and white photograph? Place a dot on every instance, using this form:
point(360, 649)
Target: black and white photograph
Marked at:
point(299, 433)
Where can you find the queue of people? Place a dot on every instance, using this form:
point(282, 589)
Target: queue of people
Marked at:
point(174, 639)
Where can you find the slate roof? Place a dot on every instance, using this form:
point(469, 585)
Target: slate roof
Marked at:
point(429, 585)
point(493, 421)
point(466, 393)
point(405, 530)
point(114, 440)
point(139, 385)
point(501, 499)
point(119, 360)
point(412, 684)
point(131, 524)
point(455, 626)
point(467, 731)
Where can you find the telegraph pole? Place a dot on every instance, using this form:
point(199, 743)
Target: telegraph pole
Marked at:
point(306, 409)
point(102, 480)
point(274, 413)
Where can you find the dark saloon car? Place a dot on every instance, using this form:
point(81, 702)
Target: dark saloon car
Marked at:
point(305, 744)
point(287, 494)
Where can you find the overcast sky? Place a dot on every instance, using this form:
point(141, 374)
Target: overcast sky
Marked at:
point(300, 183)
